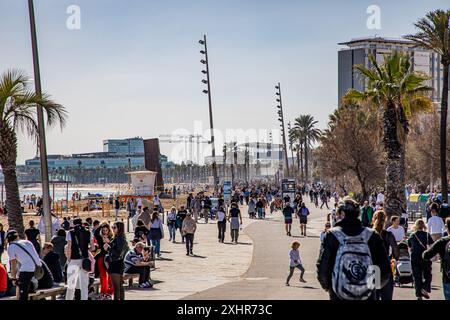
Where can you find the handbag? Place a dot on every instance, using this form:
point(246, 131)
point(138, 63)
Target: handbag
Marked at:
point(86, 263)
point(38, 270)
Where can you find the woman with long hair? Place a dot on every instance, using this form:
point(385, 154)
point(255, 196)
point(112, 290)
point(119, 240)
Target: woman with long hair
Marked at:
point(156, 232)
point(392, 251)
point(104, 235)
point(116, 251)
point(418, 242)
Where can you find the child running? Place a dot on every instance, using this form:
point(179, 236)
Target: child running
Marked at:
point(295, 262)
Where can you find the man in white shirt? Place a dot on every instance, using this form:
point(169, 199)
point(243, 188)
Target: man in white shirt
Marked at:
point(396, 229)
point(24, 259)
point(380, 198)
point(435, 224)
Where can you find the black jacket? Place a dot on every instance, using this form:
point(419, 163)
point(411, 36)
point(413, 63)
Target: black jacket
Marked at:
point(438, 248)
point(53, 263)
point(117, 248)
point(330, 246)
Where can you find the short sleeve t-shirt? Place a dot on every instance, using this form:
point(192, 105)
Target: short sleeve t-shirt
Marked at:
point(287, 212)
point(398, 233)
point(27, 263)
point(32, 234)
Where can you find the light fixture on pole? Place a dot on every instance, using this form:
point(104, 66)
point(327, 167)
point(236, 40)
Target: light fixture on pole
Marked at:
point(41, 128)
point(207, 91)
point(281, 119)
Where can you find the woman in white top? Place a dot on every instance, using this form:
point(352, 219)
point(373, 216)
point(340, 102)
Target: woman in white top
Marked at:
point(435, 224)
point(221, 223)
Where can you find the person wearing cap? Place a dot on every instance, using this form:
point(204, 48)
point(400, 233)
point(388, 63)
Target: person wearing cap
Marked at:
point(189, 227)
point(23, 259)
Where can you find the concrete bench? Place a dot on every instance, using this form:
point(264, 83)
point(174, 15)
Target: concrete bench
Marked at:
point(130, 277)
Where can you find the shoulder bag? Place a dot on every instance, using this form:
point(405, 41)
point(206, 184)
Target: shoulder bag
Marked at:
point(86, 263)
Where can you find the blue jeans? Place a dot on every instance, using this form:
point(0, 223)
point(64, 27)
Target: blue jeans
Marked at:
point(446, 287)
point(157, 245)
point(172, 231)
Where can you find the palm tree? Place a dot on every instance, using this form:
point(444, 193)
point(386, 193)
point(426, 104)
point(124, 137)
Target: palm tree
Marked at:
point(308, 134)
point(398, 93)
point(18, 112)
point(434, 34)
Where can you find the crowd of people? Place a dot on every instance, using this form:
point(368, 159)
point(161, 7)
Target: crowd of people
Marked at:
point(354, 240)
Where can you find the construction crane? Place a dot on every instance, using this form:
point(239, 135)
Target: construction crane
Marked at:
point(189, 138)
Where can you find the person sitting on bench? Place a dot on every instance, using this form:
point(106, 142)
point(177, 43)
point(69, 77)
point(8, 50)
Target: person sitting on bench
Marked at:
point(135, 264)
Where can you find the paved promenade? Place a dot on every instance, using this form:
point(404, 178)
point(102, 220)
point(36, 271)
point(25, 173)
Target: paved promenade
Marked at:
point(265, 279)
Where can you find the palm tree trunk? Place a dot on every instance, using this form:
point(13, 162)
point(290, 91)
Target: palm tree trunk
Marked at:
point(395, 197)
point(443, 134)
point(301, 161)
point(8, 155)
point(306, 160)
point(298, 160)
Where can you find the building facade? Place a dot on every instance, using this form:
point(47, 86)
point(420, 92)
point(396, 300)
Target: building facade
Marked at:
point(358, 50)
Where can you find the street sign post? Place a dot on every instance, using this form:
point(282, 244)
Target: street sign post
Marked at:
point(227, 191)
point(288, 189)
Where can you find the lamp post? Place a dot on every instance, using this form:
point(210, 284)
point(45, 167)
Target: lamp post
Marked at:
point(208, 92)
point(281, 119)
point(41, 128)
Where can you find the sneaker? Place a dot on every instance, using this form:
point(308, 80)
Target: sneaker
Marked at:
point(173, 241)
point(302, 280)
point(425, 294)
point(192, 253)
point(149, 285)
point(142, 286)
point(187, 253)
point(158, 255)
point(287, 284)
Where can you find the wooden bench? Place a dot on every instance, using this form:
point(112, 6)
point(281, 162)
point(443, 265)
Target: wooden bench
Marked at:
point(130, 277)
point(45, 293)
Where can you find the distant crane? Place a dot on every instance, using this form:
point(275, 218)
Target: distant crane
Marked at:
point(189, 138)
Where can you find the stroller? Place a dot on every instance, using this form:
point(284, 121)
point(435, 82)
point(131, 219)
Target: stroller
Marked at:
point(403, 269)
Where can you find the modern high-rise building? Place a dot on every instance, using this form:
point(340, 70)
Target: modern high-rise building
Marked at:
point(357, 51)
point(124, 146)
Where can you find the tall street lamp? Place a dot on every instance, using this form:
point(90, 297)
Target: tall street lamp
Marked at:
point(207, 91)
point(41, 128)
point(281, 120)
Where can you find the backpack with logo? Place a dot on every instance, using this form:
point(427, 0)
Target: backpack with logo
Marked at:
point(446, 260)
point(352, 270)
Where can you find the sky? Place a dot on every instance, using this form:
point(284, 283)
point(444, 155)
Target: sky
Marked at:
point(133, 67)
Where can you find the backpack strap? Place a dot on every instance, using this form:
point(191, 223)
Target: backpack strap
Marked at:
point(341, 236)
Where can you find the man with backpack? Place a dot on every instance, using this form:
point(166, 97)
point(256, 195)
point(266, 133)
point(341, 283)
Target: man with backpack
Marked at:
point(442, 247)
point(350, 254)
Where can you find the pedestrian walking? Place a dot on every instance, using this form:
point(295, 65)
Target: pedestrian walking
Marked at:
point(390, 245)
point(295, 262)
point(442, 247)
point(418, 243)
point(303, 214)
point(221, 224)
point(189, 227)
point(288, 211)
point(181, 215)
point(346, 243)
point(172, 223)
point(235, 218)
point(156, 232)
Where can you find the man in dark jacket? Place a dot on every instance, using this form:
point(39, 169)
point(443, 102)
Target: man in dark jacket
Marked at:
point(351, 226)
point(53, 262)
point(440, 247)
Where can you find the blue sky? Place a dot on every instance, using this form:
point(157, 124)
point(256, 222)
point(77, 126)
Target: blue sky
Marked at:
point(133, 69)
